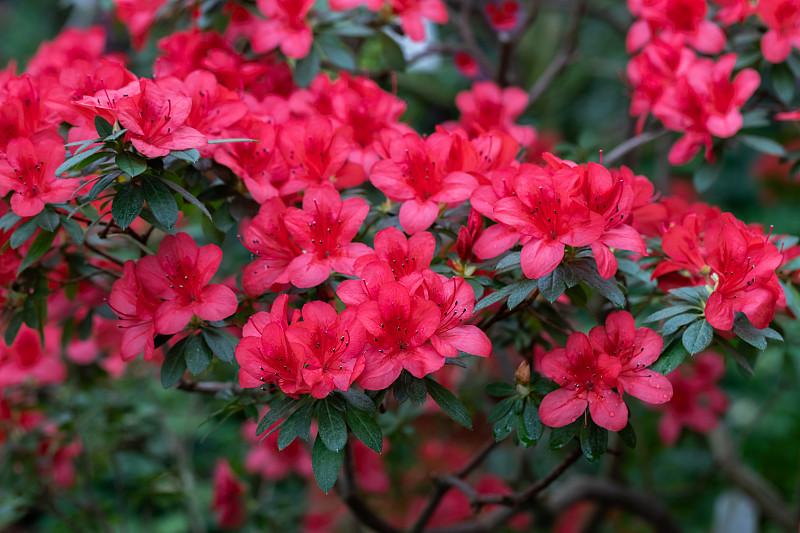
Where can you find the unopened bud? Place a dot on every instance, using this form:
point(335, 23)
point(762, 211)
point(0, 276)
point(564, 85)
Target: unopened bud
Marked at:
point(523, 374)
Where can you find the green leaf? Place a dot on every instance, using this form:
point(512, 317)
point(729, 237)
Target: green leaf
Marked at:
point(677, 322)
point(417, 391)
point(186, 195)
point(223, 344)
point(336, 52)
point(494, 297)
point(127, 204)
point(503, 427)
point(326, 465)
point(101, 185)
point(47, 219)
point(8, 220)
point(12, 328)
point(392, 53)
point(130, 163)
point(41, 245)
point(277, 410)
point(359, 400)
point(198, 354)
point(297, 425)
point(160, 201)
point(560, 437)
point(752, 335)
point(698, 336)
point(784, 82)
point(762, 144)
point(174, 364)
point(552, 285)
point(103, 127)
point(529, 419)
point(695, 295)
point(670, 358)
point(307, 68)
point(628, 436)
point(587, 272)
point(190, 155)
point(594, 441)
point(706, 176)
point(365, 428)
point(75, 160)
point(449, 403)
point(500, 388)
point(512, 260)
point(24, 232)
point(502, 409)
point(288, 433)
point(667, 313)
point(520, 292)
point(400, 387)
point(73, 229)
point(332, 428)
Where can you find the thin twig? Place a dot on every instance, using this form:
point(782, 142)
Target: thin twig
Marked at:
point(462, 22)
point(105, 254)
point(631, 144)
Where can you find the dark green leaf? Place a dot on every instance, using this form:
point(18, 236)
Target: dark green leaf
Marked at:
point(500, 388)
point(669, 359)
point(174, 365)
point(698, 336)
point(186, 195)
point(449, 403)
point(493, 298)
point(560, 437)
point(365, 428)
point(8, 220)
point(24, 232)
point(75, 160)
point(160, 201)
point(130, 163)
point(326, 465)
point(127, 204)
point(104, 129)
point(359, 400)
point(332, 428)
point(302, 419)
point(503, 427)
point(190, 155)
point(41, 245)
point(502, 409)
point(529, 419)
point(392, 53)
point(696, 295)
point(594, 441)
point(307, 68)
point(12, 328)
point(520, 292)
point(198, 354)
point(628, 436)
point(667, 313)
point(288, 433)
point(101, 185)
point(587, 272)
point(552, 285)
point(677, 322)
point(47, 219)
point(277, 410)
point(763, 145)
point(221, 343)
point(417, 391)
point(400, 387)
point(336, 52)
point(706, 176)
point(73, 229)
point(509, 261)
point(784, 82)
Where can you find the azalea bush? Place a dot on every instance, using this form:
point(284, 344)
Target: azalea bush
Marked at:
point(402, 265)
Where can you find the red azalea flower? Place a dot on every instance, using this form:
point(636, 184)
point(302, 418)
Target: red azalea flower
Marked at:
point(404, 256)
point(468, 234)
point(503, 16)
point(29, 170)
point(733, 11)
point(268, 357)
point(636, 349)
point(488, 107)
point(136, 308)
point(180, 274)
point(227, 502)
point(268, 238)
point(324, 229)
point(138, 16)
point(285, 27)
point(684, 17)
point(697, 402)
point(783, 19)
point(334, 345)
point(455, 299)
point(399, 326)
point(266, 460)
point(586, 378)
point(467, 65)
point(23, 112)
point(155, 121)
point(413, 14)
point(416, 175)
point(743, 266)
point(27, 360)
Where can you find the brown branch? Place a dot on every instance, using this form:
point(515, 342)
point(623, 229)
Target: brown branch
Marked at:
point(631, 144)
point(103, 253)
point(210, 387)
point(611, 493)
point(462, 23)
point(563, 57)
